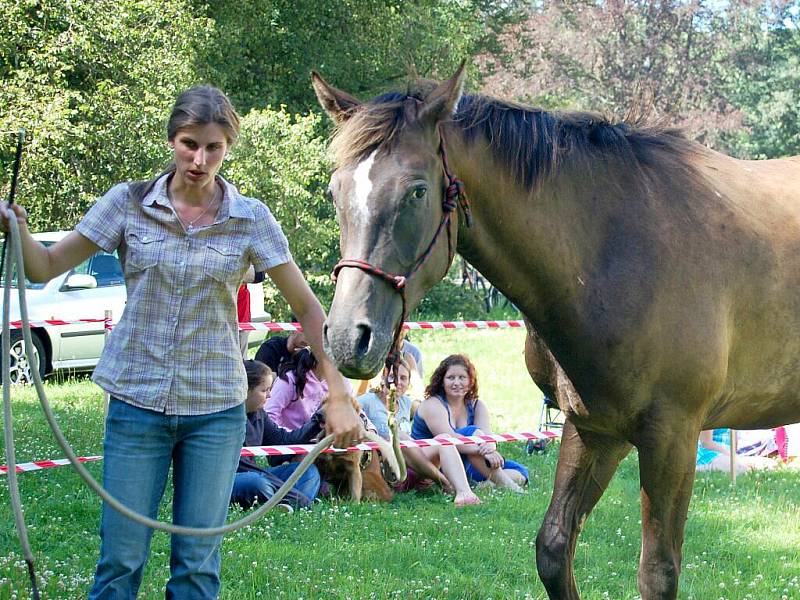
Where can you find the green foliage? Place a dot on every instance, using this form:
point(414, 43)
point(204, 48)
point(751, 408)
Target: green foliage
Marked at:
point(264, 50)
point(92, 81)
point(727, 72)
point(281, 159)
point(448, 300)
point(763, 80)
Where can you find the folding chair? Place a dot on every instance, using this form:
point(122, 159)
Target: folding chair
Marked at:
point(549, 419)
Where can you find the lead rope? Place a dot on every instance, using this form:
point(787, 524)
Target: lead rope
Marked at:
point(15, 257)
point(8, 431)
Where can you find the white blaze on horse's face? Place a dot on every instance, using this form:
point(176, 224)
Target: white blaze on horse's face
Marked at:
point(363, 188)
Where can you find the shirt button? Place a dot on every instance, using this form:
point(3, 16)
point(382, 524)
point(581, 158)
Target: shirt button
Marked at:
point(180, 264)
point(146, 238)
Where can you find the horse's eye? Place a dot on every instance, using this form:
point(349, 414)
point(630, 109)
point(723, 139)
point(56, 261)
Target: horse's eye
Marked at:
point(419, 192)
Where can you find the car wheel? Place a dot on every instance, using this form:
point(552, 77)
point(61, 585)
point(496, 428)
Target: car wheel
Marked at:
point(20, 364)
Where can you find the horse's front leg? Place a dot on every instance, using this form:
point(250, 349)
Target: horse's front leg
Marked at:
point(666, 473)
point(586, 464)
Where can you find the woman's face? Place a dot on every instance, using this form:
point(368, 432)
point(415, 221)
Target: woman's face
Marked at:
point(198, 154)
point(456, 382)
point(257, 396)
point(403, 377)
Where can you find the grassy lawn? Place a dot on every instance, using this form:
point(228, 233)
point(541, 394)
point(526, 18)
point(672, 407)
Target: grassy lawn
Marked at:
point(741, 542)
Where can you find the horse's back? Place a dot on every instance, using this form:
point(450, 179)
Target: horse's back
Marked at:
point(759, 259)
point(759, 189)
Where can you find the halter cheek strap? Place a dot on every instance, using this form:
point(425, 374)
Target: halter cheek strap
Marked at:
point(454, 195)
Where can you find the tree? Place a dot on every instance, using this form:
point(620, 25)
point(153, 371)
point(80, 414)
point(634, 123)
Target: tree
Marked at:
point(764, 81)
point(264, 50)
point(281, 159)
point(705, 66)
point(92, 81)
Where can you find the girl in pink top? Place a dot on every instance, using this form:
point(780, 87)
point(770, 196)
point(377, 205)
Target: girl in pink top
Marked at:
point(298, 392)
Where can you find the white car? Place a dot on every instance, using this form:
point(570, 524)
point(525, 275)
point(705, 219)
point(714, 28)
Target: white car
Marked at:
point(86, 292)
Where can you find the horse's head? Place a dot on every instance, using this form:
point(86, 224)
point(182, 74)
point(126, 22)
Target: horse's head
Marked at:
point(389, 189)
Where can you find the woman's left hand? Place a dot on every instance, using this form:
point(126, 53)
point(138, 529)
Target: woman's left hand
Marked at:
point(342, 421)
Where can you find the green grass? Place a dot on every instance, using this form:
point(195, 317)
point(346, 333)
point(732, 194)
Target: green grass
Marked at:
point(742, 542)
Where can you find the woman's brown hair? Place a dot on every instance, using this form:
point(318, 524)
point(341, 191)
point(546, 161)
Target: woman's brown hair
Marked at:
point(202, 105)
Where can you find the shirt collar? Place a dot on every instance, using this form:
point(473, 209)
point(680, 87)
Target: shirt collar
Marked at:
point(234, 204)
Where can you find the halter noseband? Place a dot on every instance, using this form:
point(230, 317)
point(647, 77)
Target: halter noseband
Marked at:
point(454, 194)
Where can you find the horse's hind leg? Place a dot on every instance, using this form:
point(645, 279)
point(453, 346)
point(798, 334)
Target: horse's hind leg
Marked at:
point(586, 464)
point(666, 473)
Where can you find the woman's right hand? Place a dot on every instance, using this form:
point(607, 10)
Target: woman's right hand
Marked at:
point(487, 449)
point(494, 460)
point(19, 212)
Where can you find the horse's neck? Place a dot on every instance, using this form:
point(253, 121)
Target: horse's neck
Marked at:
point(532, 245)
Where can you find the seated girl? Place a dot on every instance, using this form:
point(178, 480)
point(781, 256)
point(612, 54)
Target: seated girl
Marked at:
point(254, 484)
point(714, 454)
point(423, 463)
point(298, 392)
point(451, 405)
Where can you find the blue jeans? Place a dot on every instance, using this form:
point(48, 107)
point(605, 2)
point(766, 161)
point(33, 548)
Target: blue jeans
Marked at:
point(139, 447)
point(250, 487)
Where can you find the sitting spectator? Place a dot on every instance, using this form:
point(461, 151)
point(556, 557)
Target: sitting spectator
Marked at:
point(254, 484)
point(298, 392)
point(758, 442)
point(423, 463)
point(451, 405)
point(714, 454)
point(413, 358)
point(410, 351)
point(279, 349)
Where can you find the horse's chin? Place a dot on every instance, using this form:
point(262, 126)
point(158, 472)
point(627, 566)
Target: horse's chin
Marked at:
point(357, 368)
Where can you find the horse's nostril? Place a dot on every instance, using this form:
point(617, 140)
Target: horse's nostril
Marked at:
point(364, 339)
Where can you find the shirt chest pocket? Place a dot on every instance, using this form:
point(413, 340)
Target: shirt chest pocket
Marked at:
point(224, 262)
point(144, 250)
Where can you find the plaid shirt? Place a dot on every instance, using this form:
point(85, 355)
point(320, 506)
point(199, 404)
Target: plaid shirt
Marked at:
point(176, 349)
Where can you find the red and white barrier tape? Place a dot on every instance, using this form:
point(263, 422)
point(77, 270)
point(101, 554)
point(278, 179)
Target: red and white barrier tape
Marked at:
point(297, 327)
point(439, 440)
point(52, 322)
point(46, 464)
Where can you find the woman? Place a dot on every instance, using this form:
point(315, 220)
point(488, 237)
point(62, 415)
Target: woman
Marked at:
point(185, 240)
point(451, 405)
point(424, 463)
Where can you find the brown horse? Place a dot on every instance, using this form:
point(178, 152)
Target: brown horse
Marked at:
point(663, 276)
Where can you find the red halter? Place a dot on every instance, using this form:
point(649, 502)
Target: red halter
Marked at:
point(454, 195)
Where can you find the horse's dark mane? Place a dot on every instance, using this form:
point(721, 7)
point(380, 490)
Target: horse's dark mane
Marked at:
point(532, 141)
point(536, 142)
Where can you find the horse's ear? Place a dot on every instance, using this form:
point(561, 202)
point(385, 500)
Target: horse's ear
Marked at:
point(442, 102)
point(338, 104)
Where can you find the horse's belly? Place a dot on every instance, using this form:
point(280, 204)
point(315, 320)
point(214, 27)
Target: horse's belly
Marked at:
point(756, 410)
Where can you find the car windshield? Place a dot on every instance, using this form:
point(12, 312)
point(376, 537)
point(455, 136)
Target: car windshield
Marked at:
point(28, 284)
